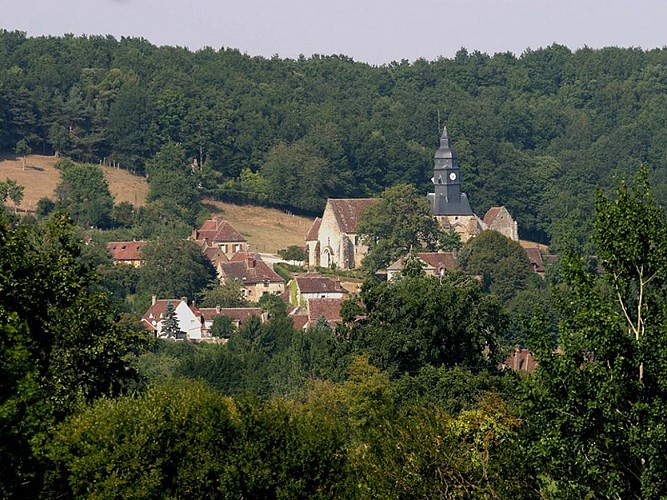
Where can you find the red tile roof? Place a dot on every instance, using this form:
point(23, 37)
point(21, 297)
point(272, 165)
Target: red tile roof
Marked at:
point(316, 283)
point(347, 211)
point(520, 360)
point(156, 311)
point(491, 215)
point(438, 260)
point(314, 230)
point(535, 258)
point(125, 250)
point(218, 230)
point(329, 309)
point(251, 273)
point(240, 314)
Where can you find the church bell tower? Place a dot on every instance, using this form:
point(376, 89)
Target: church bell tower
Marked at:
point(448, 198)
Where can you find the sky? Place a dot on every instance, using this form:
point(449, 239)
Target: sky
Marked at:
point(373, 31)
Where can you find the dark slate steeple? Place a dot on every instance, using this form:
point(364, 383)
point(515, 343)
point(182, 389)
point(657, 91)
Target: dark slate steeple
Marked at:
point(448, 198)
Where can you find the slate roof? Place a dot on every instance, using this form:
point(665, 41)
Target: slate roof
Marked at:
point(315, 283)
point(347, 211)
point(217, 229)
point(314, 230)
point(125, 250)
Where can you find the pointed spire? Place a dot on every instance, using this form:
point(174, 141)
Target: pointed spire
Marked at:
point(445, 150)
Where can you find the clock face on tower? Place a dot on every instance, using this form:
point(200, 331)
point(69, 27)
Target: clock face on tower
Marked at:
point(452, 176)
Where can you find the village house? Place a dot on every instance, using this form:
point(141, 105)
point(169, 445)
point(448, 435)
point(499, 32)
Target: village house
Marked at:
point(255, 276)
point(218, 232)
point(238, 315)
point(126, 252)
point(433, 264)
point(314, 286)
point(188, 321)
point(306, 316)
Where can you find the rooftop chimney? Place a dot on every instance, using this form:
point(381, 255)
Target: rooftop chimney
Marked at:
point(153, 300)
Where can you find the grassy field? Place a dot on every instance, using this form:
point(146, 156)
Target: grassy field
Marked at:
point(266, 229)
point(39, 180)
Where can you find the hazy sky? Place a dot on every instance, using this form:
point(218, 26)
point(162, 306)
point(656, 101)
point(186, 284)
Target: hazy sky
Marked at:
point(374, 31)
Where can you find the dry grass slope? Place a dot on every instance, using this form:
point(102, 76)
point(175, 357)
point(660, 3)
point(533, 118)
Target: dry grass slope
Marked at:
point(40, 179)
point(267, 230)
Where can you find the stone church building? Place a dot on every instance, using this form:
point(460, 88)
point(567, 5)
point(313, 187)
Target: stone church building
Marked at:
point(333, 238)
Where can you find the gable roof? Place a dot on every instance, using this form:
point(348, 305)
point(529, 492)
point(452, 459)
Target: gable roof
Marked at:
point(535, 258)
point(491, 215)
point(316, 283)
point(249, 274)
point(125, 250)
point(217, 229)
point(347, 211)
point(314, 230)
point(433, 260)
point(328, 309)
point(156, 312)
point(239, 314)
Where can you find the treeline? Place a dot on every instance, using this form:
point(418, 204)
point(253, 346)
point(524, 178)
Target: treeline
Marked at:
point(535, 133)
point(403, 399)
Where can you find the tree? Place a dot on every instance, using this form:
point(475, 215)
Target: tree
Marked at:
point(170, 326)
point(58, 138)
point(222, 327)
point(9, 189)
point(399, 221)
point(293, 252)
point(502, 263)
point(421, 320)
point(60, 348)
point(173, 268)
point(227, 294)
point(84, 193)
point(597, 406)
point(23, 150)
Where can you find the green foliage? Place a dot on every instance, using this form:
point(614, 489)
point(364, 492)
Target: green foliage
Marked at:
point(423, 320)
point(10, 190)
point(222, 327)
point(226, 294)
point(400, 221)
point(502, 263)
point(173, 268)
point(170, 326)
point(84, 194)
point(595, 406)
point(60, 347)
point(293, 252)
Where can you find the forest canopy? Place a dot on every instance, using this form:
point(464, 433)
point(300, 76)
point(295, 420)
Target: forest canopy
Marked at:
point(535, 132)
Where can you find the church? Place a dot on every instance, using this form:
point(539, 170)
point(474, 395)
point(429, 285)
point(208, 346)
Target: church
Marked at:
point(332, 240)
point(451, 206)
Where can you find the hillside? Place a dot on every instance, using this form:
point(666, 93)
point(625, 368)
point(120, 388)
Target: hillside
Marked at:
point(40, 178)
point(267, 229)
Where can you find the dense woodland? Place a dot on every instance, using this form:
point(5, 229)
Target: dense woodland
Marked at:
point(535, 132)
point(403, 399)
